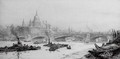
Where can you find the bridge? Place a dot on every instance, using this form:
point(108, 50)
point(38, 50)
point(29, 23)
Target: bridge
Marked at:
point(92, 38)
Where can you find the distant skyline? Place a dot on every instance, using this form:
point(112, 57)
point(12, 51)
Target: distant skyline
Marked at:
point(84, 15)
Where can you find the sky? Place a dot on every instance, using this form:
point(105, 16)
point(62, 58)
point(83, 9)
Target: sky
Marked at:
point(80, 15)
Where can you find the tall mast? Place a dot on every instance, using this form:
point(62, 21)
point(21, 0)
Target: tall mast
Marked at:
point(47, 32)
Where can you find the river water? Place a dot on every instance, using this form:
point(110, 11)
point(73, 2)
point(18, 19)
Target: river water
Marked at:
point(77, 51)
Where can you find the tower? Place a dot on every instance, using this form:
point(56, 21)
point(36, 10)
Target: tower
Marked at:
point(30, 23)
point(23, 23)
point(36, 14)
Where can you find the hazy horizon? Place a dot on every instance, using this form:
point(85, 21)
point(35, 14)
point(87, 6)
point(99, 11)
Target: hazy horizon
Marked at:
point(84, 15)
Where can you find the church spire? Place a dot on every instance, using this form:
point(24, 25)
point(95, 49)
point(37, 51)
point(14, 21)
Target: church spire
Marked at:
point(36, 14)
point(23, 23)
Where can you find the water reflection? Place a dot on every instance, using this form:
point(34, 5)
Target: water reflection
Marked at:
point(18, 55)
point(11, 55)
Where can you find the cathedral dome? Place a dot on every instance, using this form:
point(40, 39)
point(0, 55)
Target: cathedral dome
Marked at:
point(36, 21)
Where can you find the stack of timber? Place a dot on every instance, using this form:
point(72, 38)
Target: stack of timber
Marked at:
point(110, 50)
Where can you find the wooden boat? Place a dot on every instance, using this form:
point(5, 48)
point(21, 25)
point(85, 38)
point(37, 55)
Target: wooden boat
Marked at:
point(18, 47)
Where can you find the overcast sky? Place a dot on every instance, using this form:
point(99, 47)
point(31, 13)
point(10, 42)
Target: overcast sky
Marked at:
point(84, 15)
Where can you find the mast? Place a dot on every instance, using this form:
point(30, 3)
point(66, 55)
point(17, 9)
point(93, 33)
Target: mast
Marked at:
point(14, 32)
point(47, 32)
